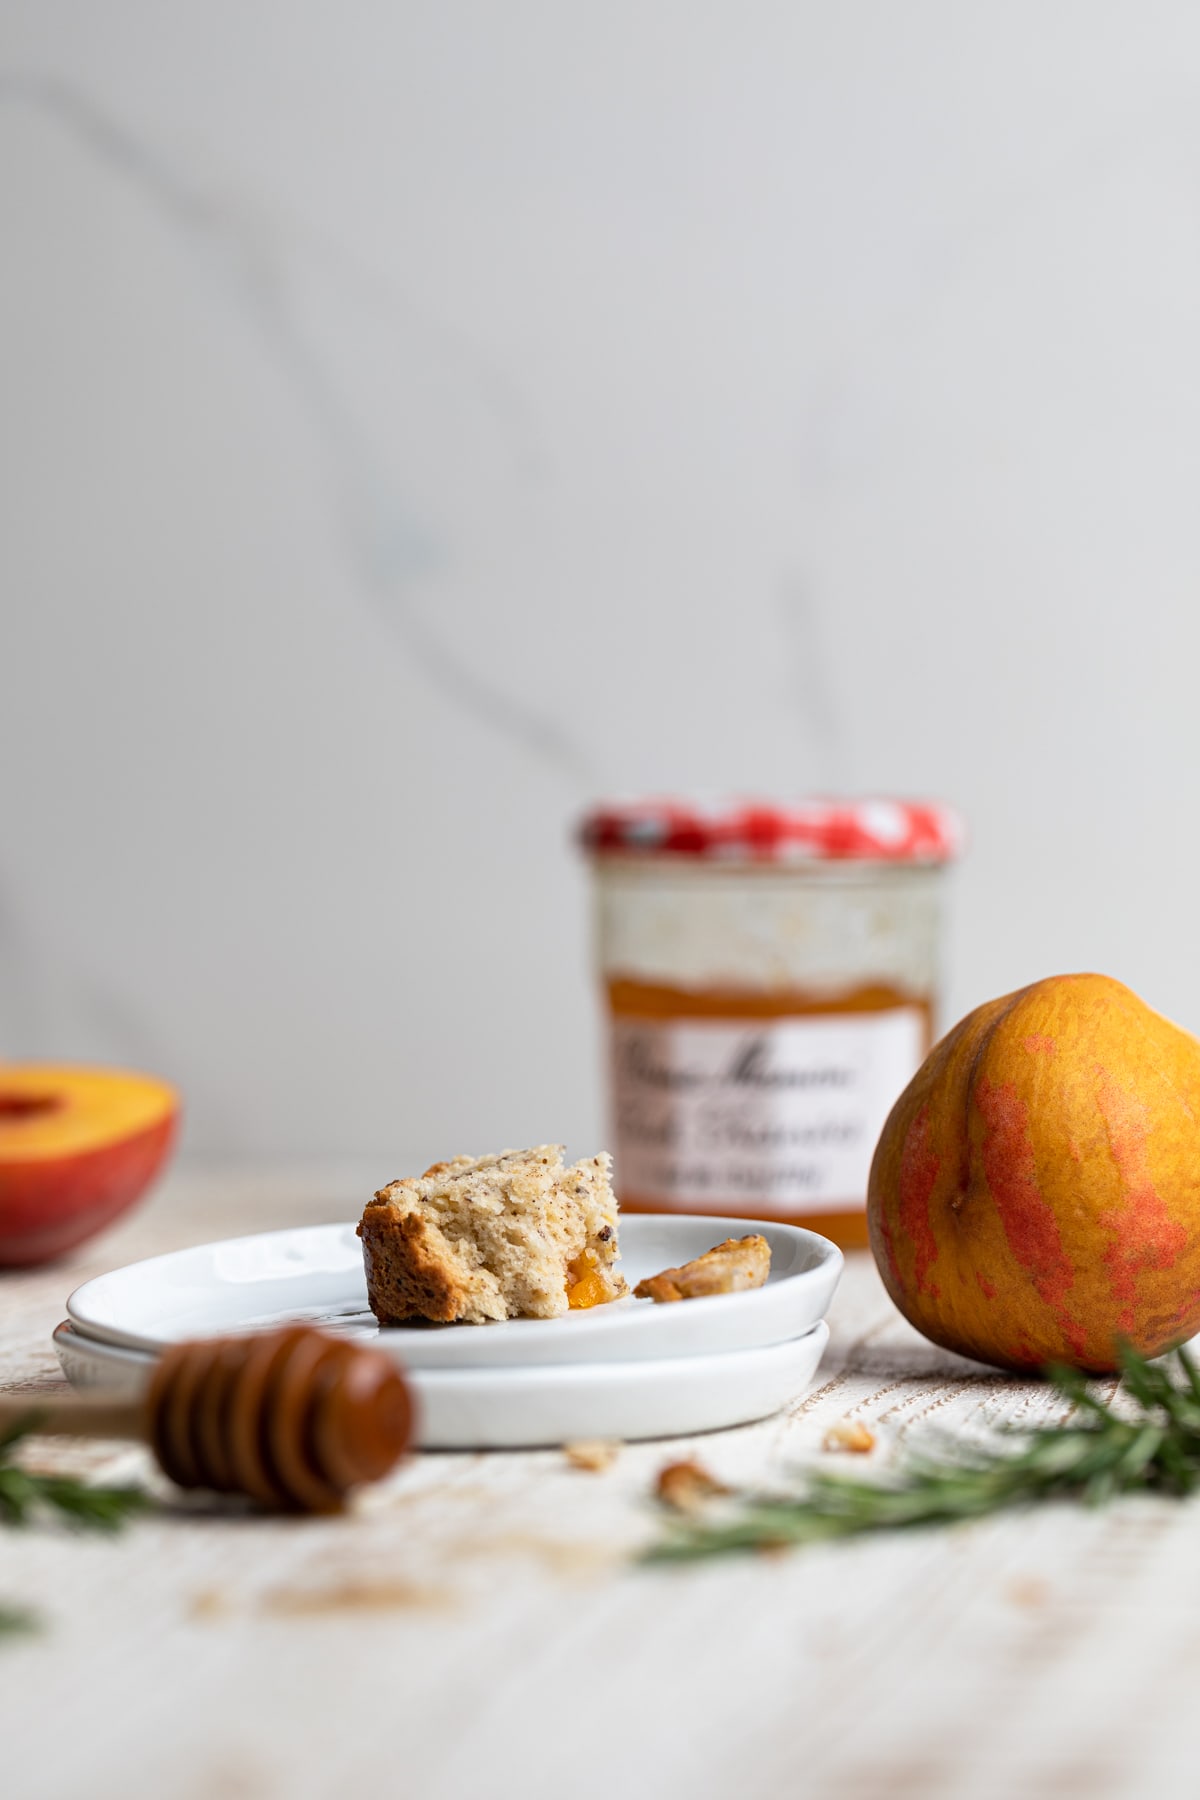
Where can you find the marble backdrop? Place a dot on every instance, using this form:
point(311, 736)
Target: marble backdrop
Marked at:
point(418, 419)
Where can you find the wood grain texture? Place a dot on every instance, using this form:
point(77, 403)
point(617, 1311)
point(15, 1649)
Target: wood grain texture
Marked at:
point(476, 1625)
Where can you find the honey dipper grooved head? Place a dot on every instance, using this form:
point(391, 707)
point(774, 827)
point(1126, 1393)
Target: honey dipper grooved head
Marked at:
point(293, 1418)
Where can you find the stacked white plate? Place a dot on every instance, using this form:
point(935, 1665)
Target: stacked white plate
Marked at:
point(631, 1369)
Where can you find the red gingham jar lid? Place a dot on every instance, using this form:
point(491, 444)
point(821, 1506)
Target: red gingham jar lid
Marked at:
point(867, 830)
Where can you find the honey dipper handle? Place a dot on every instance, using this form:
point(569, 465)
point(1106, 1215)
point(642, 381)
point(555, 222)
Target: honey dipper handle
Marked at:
point(72, 1415)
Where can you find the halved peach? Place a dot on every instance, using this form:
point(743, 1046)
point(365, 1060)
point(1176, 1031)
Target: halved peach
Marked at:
point(77, 1147)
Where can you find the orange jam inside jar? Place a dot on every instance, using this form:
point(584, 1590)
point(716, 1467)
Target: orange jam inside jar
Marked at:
point(770, 976)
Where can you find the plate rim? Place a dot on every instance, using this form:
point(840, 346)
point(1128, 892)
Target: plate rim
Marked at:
point(475, 1376)
point(549, 1375)
point(825, 1265)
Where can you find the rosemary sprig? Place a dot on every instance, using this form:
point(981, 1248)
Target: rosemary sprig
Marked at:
point(13, 1619)
point(1097, 1456)
point(24, 1496)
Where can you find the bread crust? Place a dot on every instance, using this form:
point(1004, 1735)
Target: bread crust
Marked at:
point(406, 1279)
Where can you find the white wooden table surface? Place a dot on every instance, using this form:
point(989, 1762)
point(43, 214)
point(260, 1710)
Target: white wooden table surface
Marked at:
point(477, 1625)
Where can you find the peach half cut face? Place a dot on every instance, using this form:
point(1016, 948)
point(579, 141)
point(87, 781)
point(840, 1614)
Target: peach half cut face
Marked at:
point(78, 1145)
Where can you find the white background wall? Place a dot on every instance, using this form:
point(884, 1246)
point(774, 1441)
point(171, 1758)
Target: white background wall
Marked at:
point(418, 419)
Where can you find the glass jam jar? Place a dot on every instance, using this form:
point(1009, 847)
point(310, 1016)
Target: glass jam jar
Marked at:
point(770, 976)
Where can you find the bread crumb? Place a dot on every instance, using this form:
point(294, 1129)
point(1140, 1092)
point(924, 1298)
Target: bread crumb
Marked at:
point(849, 1435)
point(211, 1603)
point(1028, 1591)
point(592, 1454)
point(355, 1595)
point(728, 1268)
point(687, 1486)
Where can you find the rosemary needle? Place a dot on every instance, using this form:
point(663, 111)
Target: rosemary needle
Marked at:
point(25, 1495)
point(1098, 1456)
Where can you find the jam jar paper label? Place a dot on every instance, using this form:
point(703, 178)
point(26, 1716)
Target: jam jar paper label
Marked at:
point(782, 1112)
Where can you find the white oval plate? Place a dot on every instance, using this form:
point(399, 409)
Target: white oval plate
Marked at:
point(315, 1274)
point(511, 1409)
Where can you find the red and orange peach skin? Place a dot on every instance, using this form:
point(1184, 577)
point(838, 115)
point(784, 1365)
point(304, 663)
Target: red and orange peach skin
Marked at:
point(1035, 1193)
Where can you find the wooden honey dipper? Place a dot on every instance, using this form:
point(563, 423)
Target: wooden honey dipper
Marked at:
point(293, 1418)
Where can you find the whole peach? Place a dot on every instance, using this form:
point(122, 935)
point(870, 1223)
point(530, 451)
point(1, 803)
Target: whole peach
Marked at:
point(1035, 1193)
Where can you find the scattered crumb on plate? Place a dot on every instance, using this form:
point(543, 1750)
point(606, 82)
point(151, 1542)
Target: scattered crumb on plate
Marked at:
point(728, 1268)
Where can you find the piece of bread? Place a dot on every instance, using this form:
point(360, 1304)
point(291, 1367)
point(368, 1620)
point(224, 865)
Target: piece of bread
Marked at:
point(728, 1268)
point(493, 1237)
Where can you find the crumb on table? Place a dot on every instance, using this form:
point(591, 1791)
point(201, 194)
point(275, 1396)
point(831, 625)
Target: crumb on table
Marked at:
point(687, 1486)
point(592, 1454)
point(850, 1435)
